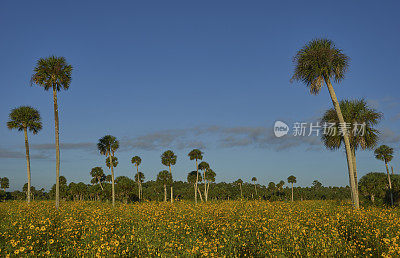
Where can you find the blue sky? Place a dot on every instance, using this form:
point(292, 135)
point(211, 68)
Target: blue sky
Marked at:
point(176, 75)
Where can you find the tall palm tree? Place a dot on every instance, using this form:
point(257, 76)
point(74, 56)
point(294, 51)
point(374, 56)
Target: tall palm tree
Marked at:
point(53, 73)
point(355, 113)
point(25, 118)
point(254, 179)
point(292, 180)
point(98, 175)
point(196, 154)
point(204, 166)
point(107, 146)
point(164, 178)
point(136, 160)
point(139, 178)
point(317, 63)
point(168, 158)
point(385, 153)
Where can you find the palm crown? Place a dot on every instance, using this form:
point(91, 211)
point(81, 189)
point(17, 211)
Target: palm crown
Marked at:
point(195, 154)
point(204, 165)
point(384, 153)
point(164, 177)
point(168, 158)
point(354, 112)
point(317, 61)
point(52, 72)
point(25, 117)
point(292, 179)
point(114, 162)
point(136, 160)
point(108, 144)
point(139, 177)
point(191, 178)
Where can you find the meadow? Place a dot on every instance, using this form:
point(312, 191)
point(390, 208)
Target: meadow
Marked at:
point(217, 228)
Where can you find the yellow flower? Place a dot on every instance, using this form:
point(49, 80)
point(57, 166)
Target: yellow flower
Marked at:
point(51, 241)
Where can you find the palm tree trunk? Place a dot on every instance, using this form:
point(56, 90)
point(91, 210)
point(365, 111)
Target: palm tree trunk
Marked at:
point(172, 190)
point(57, 148)
point(101, 186)
point(201, 197)
point(292, 192)
point(346, 143)
point(165, 193)
point(355, 168)
point(205, 185)
point(241, 192)
point(28, 166)
point(197, 179)
point(255, 188)
point(390, 184)
point(112, 180)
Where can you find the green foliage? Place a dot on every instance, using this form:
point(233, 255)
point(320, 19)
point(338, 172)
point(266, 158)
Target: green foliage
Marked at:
point(139, 177)
point(52, 72)
point(168, 158)
point(292, 179)
point(136, 160)
point(4, 183)
point(191, 178)
point(107, 145)
point(164, 177)
point(25, 117)
point(317, 61)
point(384, 153)
point(195, 154)
point(114, 162)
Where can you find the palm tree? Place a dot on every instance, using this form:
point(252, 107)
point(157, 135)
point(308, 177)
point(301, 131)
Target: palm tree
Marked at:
point(168, 158)
point(107, 146)
point(292, 180)
point(385, 153)
point(193, 177)
point(98, 175)
point(204, 166)
point(209, 177)
point(196, 154)
point(53, 73)
point(4, 183)
point(139, 178)
point(320, 62)
point(254, 179)
point(25, 118)
point(164, 178)
point(355, 113)
point(136, 160)
point(239, 182)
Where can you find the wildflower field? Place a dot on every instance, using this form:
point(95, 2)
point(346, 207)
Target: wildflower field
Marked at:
point(219, 228)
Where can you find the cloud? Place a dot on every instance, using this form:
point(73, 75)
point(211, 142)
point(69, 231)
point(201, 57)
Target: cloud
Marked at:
point(8, 154)
point(389, 137)
point(65, 146)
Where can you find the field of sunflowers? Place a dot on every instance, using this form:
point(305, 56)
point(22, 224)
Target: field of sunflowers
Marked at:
point(219, 228)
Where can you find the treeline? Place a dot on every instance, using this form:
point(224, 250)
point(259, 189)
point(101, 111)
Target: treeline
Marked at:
point(127, 190)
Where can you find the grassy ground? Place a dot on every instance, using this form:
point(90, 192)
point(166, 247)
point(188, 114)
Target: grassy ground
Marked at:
point(253, 228)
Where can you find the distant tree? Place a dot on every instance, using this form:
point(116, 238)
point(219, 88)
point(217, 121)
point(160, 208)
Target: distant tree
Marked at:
point(373, 185)
point(168, 158)
point(107, 146)
point(4, 183)
point(124, 186)
point(209, 178)
point(316, 184)
point(192, 178)
point(139, 178)
point(136, 160)
point(53, 73)
point(385, 153)
point(164, 178)
point(254, 180)
point(317, 63)
point(271, 186)
point(25, 118)
point(292, 180)
point(98, 175)
point(280, 184)
point(196, 154)
point(362, 134)
point(204, 166)
point(239, 182)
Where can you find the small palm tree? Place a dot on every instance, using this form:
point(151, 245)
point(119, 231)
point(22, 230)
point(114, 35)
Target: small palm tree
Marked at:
point(196, 154)
point(136, 160)
point(239, 182)
point(292, 180)
point(320, 62)
point(107, 146)
point(25, 118)
point(168, 158)
point(164, 178)
point(355, 113)
point(53, 73)
point(139, 178)
point(4, 183)
point(193, 177)
point(385, 153)
point(254, 179)
point(98, 175)
point(209, 177)
point(204, 166)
